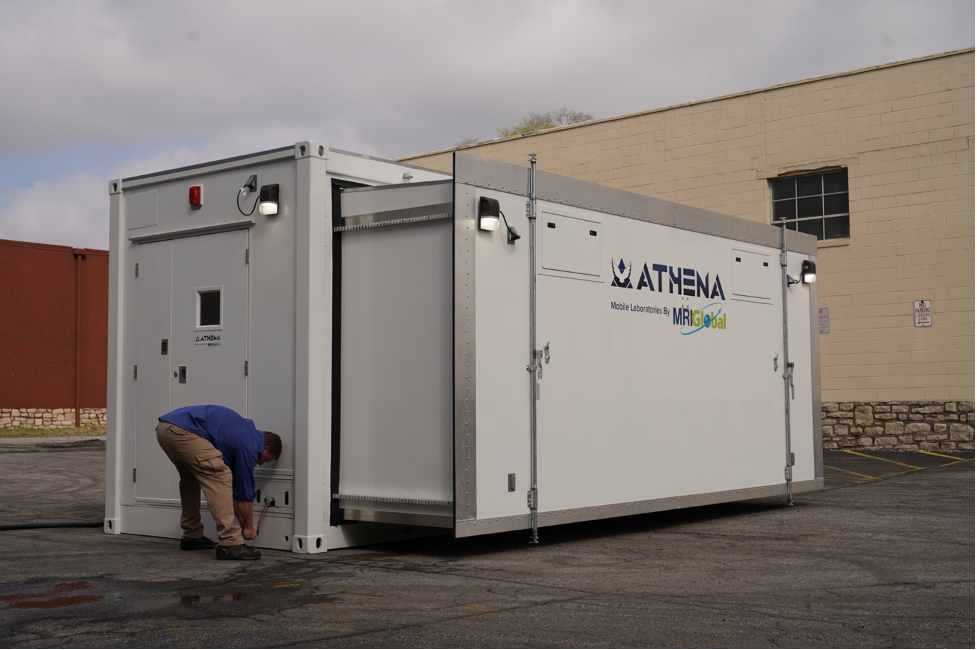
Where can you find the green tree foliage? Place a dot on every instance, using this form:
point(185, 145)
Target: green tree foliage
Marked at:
point(539, 121)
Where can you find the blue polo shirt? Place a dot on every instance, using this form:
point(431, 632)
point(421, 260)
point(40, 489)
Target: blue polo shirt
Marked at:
point(237, 439)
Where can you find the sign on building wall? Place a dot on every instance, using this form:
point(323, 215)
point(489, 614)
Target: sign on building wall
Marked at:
point(824, 323)
point(923, 313)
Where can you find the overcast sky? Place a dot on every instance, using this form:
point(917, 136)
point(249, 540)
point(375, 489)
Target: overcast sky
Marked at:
point(99, 89)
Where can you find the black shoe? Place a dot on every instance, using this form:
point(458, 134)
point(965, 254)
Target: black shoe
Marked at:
point(196, 543)
point(239, 552)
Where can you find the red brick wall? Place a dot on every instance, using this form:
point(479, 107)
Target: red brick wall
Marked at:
point(44, 336)
point(94, 328)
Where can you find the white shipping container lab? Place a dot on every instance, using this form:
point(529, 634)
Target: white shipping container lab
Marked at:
point(626, 352)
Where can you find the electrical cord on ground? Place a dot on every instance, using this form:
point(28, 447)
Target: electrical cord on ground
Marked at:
point(63, 524)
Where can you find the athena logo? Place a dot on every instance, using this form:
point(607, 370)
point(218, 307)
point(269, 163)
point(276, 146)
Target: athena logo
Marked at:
point(622, 274)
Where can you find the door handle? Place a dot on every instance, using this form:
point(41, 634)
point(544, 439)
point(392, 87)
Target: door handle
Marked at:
point(182, 375)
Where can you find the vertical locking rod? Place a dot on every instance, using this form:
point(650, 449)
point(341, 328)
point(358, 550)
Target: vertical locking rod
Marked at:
point(788, 370)
point(535, 356)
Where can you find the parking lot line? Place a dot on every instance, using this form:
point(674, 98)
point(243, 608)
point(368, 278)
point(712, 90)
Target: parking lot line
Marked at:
point(846, 471)
point(894, 462)
point(953, 458)
point(956, 462)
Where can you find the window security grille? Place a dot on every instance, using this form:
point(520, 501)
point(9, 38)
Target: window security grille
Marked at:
point(816, 204)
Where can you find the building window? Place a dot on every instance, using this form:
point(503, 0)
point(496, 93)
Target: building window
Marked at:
point(816, 204)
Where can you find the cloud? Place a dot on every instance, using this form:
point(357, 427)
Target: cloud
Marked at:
point(70, 211)
point(144, 85)
point(411, 76)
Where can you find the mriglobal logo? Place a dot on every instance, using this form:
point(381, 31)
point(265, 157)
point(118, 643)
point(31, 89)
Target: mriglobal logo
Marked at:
point(681, 280)
point(695, 320)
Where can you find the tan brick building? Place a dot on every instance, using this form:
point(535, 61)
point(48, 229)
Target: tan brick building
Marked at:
point(879, 163)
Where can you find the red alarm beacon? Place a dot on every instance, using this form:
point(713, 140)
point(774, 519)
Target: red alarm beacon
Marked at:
point(196, 197)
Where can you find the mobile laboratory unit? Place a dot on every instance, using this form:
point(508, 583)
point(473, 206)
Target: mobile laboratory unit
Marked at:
point(495, 350)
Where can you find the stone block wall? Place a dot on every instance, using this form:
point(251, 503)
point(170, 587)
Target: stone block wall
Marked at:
point(46, 418)
point(904, 426)
point(901, 426)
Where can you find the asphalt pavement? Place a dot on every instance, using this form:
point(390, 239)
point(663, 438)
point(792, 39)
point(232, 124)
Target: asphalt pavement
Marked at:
point(883, 557)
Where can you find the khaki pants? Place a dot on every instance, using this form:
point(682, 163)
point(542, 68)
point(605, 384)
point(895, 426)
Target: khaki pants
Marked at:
point(201, 467)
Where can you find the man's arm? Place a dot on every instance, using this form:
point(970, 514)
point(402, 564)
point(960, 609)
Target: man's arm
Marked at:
point(245, 517)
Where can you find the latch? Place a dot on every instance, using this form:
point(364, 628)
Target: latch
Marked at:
point(775, 364)
point(790, 377)
point(531, 499)
point(539, 370)
point(536, 367)
point(546, 351)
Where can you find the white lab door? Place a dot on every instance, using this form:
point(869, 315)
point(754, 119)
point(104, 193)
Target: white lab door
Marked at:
point(192, 293)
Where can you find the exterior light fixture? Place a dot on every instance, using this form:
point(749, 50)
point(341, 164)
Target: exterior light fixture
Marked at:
point(809, 272)
point(488, 214)
point(488, 219)
point(196, 197)
point(268, 200)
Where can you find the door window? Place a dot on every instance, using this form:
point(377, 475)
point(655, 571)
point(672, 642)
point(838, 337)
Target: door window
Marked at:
point(209, 308)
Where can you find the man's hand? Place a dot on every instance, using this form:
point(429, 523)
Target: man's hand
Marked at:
point(244, 512)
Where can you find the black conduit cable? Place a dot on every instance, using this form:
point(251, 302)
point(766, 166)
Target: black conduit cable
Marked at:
point(249, 185)
point(513, 234)
point(63, 524)
point(248, 214)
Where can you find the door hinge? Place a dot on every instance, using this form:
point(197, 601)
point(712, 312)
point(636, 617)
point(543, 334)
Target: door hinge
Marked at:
point(245, 368)
point(137, 269)
point(247, 255)
point(135, 372)
point(133, 474)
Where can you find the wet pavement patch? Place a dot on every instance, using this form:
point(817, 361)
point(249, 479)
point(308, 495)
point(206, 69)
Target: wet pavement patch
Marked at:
point(232, 598)
point(64, 594)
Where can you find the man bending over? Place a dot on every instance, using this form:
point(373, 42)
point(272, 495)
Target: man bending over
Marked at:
point(216, 450)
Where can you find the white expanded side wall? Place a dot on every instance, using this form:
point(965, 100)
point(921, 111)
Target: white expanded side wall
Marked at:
point(637, 404)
